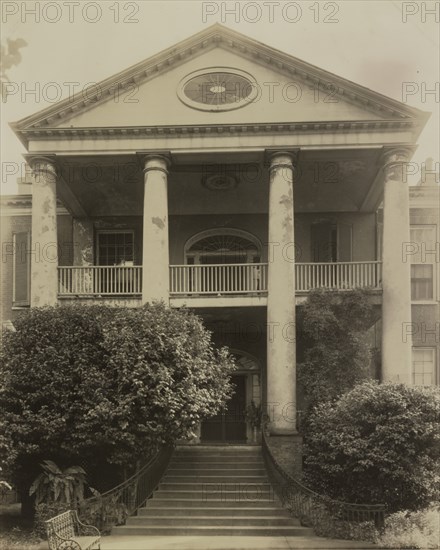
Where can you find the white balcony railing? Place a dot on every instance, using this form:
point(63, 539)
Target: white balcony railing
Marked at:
point(99, 280)
point(338, 275)
point(216, 278)
point(252, 278)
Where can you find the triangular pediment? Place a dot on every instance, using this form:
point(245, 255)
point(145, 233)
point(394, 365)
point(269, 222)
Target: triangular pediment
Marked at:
point(287, 90)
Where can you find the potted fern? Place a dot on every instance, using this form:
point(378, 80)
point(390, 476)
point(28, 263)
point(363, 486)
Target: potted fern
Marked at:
point(254, 416)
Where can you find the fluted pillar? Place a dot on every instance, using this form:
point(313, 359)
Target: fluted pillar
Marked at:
point(396, 274)
point(155, 250)
point(281, 345)
point(44, 247)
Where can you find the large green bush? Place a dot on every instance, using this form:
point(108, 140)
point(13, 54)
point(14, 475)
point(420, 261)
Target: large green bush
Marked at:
point(377, 444)
point(99, 385)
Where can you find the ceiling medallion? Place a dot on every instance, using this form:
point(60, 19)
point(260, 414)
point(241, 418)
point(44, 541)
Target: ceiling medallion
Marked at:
point(217, 89)
point(219, 182)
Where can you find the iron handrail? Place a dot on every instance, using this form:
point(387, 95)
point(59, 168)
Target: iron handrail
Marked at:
point(115, 505)
point(327, 516)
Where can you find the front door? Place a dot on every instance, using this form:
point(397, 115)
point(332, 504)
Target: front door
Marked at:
point(229, 425)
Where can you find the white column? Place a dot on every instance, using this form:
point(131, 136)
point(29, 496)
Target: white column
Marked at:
point(281, 346)
point(396, 270)
point(155, 250)
point(44, 248)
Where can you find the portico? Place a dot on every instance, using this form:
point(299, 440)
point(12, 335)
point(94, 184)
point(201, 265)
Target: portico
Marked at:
point(226, 201)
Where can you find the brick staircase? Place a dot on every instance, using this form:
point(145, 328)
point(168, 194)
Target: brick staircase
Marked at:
point(215, 490)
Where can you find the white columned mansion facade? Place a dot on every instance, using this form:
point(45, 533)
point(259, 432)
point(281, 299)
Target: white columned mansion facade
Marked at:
point(232, 178)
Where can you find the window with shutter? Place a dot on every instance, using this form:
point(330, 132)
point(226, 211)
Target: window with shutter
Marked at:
point(21, 269)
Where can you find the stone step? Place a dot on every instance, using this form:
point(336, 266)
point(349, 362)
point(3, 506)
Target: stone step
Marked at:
point(231, 479)
point(208, 487)
point(210, 521)
point(224, 466)
point(165, 502)
point(217, 453)
point(215, 458)
point(224, 449)
point(239, 495)
point(225, 530)
point(243, 511)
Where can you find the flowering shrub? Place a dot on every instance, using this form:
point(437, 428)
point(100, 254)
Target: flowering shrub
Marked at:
point(412, 530)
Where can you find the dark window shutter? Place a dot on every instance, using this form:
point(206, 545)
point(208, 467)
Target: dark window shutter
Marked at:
point(344, 242)
point(21, 269)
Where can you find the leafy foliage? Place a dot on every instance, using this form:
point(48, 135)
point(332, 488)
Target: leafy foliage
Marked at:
point(254, 414)
point(377, 444)
point(105, 385)
point(9, 56)
point(44, 512)
point(58, 486)
point(337, 355)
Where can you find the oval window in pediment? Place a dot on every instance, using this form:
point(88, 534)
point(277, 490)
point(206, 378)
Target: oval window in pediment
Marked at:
point(220, 89)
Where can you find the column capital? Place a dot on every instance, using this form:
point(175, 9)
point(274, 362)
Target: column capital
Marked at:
point(154, 161)
point(281, 158)
point(394, 160)
point(42, 163)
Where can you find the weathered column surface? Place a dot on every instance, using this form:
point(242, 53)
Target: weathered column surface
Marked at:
point(44, 247)
point(396, 275)
point(281, 346)
point(155, 249)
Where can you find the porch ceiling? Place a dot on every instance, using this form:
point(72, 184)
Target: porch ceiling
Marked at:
point(326, 181)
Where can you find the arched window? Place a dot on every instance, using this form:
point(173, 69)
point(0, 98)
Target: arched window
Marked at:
point(223, 246)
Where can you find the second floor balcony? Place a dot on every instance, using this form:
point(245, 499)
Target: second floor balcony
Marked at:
point(191, 283)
